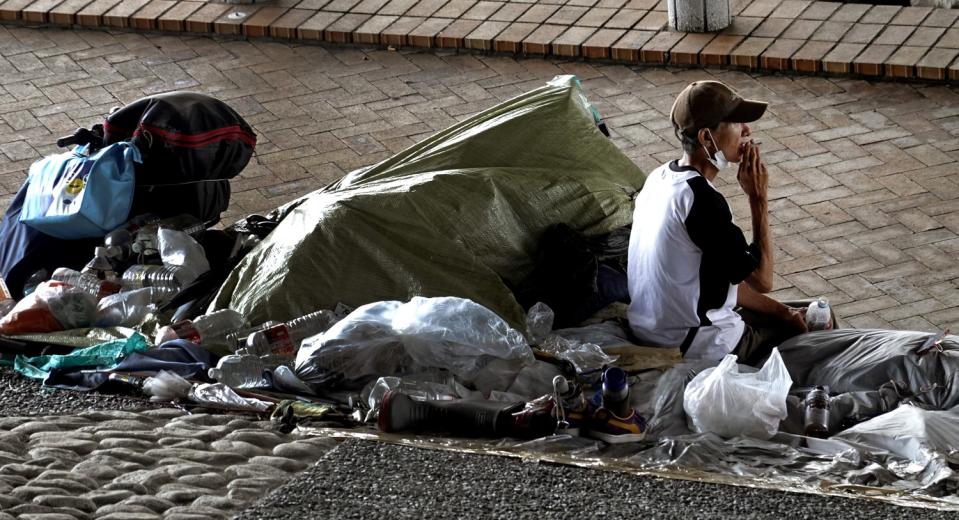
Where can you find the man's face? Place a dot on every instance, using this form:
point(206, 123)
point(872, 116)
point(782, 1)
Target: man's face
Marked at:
point(731, 138)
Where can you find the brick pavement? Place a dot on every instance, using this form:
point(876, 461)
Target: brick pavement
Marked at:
point(805, 36)
point(865, 193)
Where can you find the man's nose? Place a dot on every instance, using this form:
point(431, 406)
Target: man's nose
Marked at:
point(746, 130)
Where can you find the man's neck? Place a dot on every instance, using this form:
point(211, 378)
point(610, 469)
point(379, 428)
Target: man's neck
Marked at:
point(699, 161)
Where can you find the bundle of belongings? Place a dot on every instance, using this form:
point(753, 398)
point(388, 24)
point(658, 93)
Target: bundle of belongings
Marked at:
point(467, 292)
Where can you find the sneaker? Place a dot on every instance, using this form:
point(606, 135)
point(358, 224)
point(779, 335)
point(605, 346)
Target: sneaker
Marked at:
point(607, 426)
point(572, 410)
point(577, 419)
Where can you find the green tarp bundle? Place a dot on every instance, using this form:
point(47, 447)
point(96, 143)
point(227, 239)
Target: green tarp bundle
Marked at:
point(103, 356)
point(458, 214)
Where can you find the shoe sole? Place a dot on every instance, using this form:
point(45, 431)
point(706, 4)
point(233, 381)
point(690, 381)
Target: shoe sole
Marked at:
point(618, 439)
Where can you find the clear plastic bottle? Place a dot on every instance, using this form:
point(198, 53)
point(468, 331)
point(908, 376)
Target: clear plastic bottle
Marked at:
point(283, 339)
point(86, 282)
point(817, 413)
point(159, 276)
point(119, 242)
point(616, 392)
point(209, 330)
point(237, 340)
point(240, 371)
point(818, 315)
point(34, 280)
point(101, 267)
point(6, 299)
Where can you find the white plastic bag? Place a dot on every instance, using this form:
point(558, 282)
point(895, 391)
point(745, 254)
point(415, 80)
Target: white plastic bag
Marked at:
point(728, 403)
point(126, 309)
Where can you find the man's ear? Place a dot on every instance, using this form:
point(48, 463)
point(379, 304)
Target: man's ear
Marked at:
point(703, 137)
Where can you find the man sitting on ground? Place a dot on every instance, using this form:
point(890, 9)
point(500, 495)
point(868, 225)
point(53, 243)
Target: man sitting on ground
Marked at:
point(689, 265)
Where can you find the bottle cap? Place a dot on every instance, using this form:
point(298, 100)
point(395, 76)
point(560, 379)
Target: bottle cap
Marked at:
point(614, 379)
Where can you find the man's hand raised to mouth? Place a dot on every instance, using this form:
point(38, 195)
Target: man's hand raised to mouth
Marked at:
point(752, 176)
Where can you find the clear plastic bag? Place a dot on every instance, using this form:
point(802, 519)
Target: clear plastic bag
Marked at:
point(393, 338)
point(126, 309)
point(167, 386)
point(180, 251)
point(727, 402)
point(52, 307)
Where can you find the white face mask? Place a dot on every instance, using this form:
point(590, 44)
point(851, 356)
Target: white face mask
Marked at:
point(719, 158)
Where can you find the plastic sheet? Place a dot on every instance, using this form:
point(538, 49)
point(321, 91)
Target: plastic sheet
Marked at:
point(126, 309)
point(105, 355)
point(458, 214)
point(393, 338)
point(218, 395)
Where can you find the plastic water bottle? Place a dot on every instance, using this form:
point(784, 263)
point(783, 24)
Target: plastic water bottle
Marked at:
point(818, 315)
point(817, 413)
point(34, 280)
point(119, 242)
point(159, 276)
point(209, 330)
point(240, 371)
point(283, 339)
point(101, 267)
point(616, 392)
point(237, 340)
point(86, 282)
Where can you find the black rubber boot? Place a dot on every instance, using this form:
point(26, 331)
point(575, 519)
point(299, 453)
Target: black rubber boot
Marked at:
point(400, 413)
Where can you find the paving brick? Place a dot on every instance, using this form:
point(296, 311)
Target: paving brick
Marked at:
point(749, 51)
point(145, 18)
point(91, 15)
point(718, 50)
point(511, 39)
point(742, 25)
point(201, 21)
point(598, 45)
point(570, 42)
point(482, 10)
point(313, 27)
point(425, 34)
point(453, 35)
point(454, 8)
point(257, 25)
point(567, 15)
point(925, 36)
point(538, 13)
point(686, 52)
point(831, 31)
point(902, 62)
point(761, 8)
point(894, 35)
point(809, 57)
point(65, 12)
point(174, 19)
point(941, 18)
point(231, 22)
point(397, 34)
point(911, 16)
point(820, 10)
point(510, 12)
point(772, 27)
point(862, 33)
point(396, 7)
point(777, 56)
point(881, 14)
point(373, 6)
point(425, 8)
point(119, 15)
point(285, 26)
point(790, 9)
point(656, 50)
point(850, 12)
point(37, 11)
point(538, 42)
point(653, 21)
point(482, 37)
point(800, 29)
point(625, 19)
point(869, 61)
point(11, 10)
point(627, 48)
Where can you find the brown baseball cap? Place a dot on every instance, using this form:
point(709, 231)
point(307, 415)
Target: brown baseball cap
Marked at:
point(705, 104)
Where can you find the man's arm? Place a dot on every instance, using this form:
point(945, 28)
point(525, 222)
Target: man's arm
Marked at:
point(754, 180)
point(748, 298)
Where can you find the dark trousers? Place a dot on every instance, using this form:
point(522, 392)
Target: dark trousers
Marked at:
point(763, 333)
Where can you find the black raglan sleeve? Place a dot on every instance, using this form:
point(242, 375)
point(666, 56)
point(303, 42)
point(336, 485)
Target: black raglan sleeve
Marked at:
point(710, 226)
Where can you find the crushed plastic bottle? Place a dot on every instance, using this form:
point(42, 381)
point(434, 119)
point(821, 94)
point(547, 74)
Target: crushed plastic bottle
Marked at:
point(209, 330)
point(818, 315)
point(237, 340)
point(283, 339)
point(119, 242)
point(240, 371)
point(86, 282)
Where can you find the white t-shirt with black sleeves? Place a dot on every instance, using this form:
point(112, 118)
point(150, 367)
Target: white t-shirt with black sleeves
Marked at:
point(686, 259)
